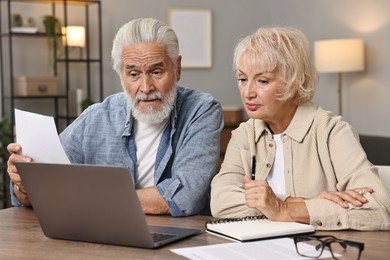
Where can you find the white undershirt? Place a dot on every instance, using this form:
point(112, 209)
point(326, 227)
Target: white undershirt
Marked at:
point(276, 176)
point(147, 140)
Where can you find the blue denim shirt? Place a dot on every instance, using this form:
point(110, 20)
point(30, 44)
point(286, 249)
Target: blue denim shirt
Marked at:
point(187, 157)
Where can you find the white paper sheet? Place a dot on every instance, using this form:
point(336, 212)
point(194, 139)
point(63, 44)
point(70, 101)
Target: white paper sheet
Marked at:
point(273, 249)
point(37, 134)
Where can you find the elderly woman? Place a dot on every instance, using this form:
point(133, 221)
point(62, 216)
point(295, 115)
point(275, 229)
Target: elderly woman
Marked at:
point(292, 160)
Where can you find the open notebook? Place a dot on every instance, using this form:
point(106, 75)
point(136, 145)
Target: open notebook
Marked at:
point(254, 228)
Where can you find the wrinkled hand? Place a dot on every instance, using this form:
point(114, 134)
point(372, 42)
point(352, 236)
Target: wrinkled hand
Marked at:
point(14, 149)
point(353, 196)
point(259, 195)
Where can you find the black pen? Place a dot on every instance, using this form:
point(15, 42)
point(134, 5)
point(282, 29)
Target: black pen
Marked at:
point(253, 167)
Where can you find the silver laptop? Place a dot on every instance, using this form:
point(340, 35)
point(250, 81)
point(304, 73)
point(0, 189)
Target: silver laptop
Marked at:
point(93, 204)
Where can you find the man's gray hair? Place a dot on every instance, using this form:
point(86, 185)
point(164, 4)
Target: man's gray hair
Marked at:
point(144, 30)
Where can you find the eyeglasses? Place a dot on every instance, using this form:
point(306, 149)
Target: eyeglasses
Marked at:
point(313, 246)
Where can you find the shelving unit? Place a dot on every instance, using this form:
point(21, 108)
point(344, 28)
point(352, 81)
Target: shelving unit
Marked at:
point(61, 65)
point(88, 67)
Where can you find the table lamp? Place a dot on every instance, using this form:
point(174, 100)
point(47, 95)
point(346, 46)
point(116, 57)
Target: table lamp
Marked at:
point(339, 55)
point(74, 36)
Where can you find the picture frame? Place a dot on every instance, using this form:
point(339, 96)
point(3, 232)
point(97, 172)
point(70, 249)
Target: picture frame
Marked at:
point(193, 28)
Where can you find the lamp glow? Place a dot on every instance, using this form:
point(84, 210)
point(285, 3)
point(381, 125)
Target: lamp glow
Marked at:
point(74, 36)
point(339, 55)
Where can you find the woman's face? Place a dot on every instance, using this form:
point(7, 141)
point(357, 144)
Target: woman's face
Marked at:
point(259, 91)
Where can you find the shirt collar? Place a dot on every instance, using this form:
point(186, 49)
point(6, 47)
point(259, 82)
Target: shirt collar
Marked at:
point(297, 129)
point(301, 122)
point(129, 119)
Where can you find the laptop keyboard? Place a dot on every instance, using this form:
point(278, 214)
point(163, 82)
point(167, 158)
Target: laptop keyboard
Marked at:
point(160, 237)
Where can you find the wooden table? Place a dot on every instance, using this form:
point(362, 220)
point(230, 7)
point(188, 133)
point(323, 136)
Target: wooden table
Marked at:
point(21, 237)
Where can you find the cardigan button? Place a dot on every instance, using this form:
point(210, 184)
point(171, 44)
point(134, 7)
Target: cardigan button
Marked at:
point(268, 165)
point(319, 223)
point(339, 224)
point(271, 145)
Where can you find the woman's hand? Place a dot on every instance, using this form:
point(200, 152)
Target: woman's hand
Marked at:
point(354, 196)
point(259, 195)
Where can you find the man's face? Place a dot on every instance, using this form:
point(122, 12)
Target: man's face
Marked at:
point(148, 76)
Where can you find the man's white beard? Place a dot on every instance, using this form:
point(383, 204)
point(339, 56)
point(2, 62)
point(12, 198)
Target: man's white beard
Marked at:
point(152, 116)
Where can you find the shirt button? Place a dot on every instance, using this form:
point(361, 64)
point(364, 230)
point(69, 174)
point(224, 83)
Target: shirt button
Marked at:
point(319, 223)
point(268, 165)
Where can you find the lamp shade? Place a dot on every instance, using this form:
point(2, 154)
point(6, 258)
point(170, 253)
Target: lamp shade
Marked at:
point(74, 36)
point(340, 55)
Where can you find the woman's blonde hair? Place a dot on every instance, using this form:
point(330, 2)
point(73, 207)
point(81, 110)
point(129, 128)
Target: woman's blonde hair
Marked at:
point(286, 49)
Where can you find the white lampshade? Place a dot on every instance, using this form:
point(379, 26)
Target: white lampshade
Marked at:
point(340, 55)
point(74, 36)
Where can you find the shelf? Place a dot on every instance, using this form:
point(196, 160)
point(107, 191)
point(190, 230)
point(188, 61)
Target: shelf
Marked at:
point(38, 34)
point(40, 97)
point(79, 60)
point(69, 2)
point(66, 117)
point(63, 63)
point(90, 74)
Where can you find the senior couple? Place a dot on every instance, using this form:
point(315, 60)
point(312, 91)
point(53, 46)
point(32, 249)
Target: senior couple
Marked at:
point(310, 166)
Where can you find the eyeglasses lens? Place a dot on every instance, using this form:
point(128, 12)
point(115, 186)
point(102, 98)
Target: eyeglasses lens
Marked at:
point(342, 251)
point(310, 248)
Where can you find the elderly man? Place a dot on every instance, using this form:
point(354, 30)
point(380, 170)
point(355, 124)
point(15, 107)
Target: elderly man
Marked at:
point(168, 136)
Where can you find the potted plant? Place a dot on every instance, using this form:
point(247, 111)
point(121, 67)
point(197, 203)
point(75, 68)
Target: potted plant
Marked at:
point(6, 137)
point(86, 103)
point(53, 34)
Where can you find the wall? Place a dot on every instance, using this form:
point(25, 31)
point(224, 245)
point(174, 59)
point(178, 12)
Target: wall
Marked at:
point(366, 94)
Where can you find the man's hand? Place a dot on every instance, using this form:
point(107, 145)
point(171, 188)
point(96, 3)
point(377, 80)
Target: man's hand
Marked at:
point(152, 202)
point(19, 189)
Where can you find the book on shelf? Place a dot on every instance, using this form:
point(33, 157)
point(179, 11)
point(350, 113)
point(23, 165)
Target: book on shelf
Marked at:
point(255, 228)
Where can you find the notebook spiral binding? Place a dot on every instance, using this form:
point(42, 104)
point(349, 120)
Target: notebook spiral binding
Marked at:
point(227, 220)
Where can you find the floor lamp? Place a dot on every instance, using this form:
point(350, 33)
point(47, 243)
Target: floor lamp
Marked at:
point(339, 55)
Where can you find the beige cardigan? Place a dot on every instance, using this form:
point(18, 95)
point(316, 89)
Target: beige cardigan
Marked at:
point(321, 152)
